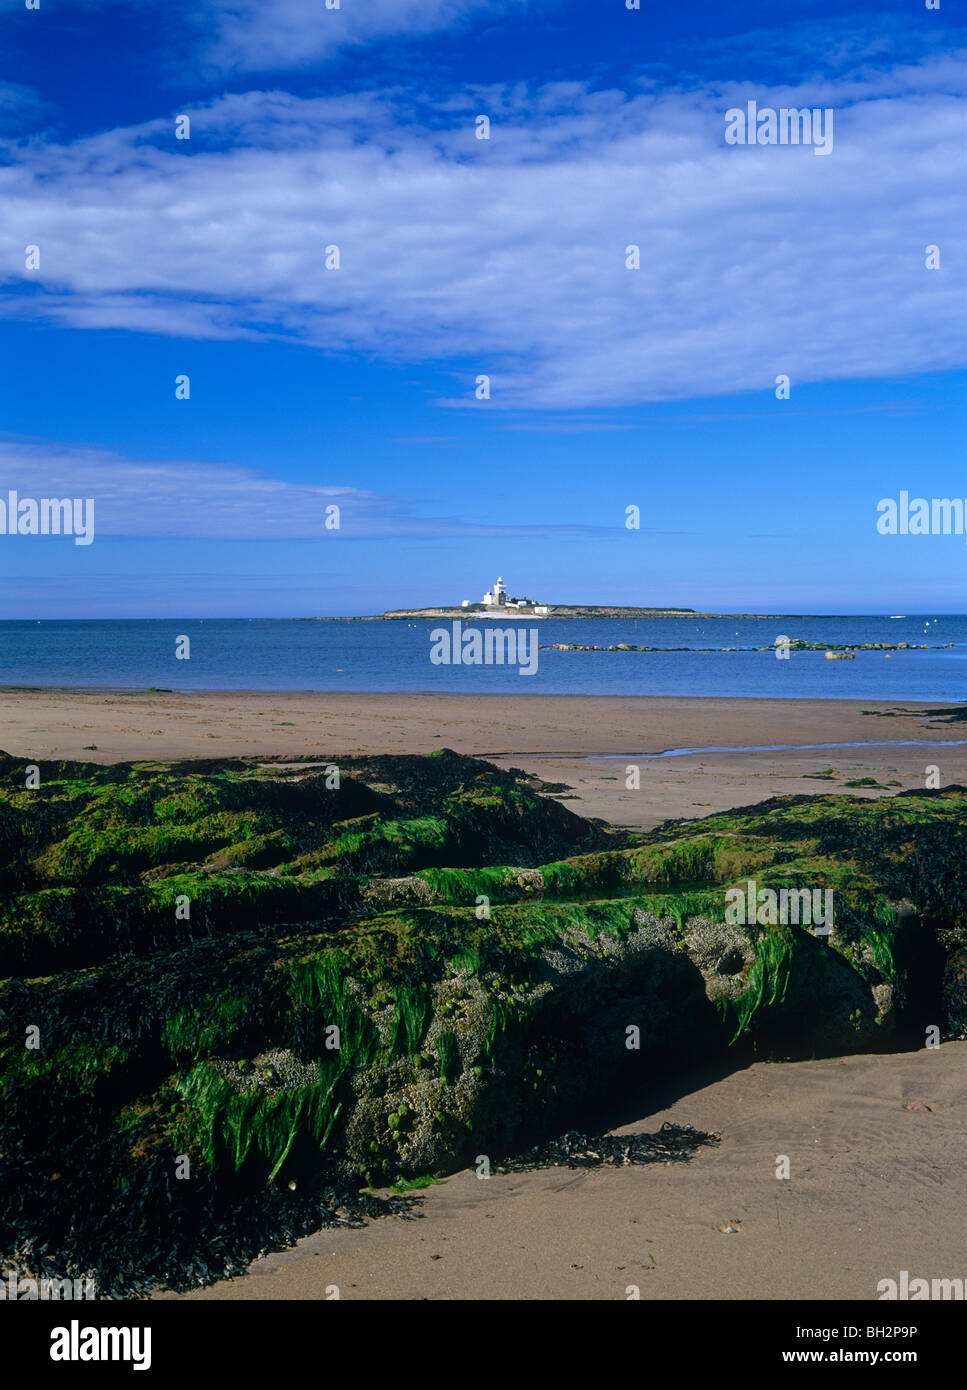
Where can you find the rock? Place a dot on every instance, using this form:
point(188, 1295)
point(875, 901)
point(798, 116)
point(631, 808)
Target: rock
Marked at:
point(954, 989)
point(398, 891)
point(606, 957)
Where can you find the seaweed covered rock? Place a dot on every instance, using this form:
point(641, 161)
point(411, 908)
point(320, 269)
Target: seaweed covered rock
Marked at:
point(95, 861)
point(955, 994)
point(233, 991)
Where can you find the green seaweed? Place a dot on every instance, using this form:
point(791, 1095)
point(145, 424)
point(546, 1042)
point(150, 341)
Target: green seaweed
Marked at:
point(448, 1051)
point(768, 979)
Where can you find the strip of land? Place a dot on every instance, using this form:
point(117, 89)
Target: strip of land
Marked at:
point(552, 736)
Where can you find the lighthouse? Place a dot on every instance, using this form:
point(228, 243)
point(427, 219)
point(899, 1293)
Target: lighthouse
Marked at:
point(497, 596)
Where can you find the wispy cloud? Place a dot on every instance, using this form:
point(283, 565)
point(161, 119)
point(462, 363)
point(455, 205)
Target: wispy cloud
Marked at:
point(249, 35)
point(442, 441)
point(185, 500)
point(568, 427)
point(507, 257)
point(21, 105)
point(855, 43)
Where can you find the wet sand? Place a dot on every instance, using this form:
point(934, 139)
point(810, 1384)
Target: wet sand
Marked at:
point(553, 736)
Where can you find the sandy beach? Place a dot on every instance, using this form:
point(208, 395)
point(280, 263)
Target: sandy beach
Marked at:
point(554, 736)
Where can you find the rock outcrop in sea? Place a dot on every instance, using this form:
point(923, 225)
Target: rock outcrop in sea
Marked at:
point(234, 995)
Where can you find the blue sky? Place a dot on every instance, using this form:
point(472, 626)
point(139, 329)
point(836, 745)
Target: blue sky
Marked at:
point(460, 257)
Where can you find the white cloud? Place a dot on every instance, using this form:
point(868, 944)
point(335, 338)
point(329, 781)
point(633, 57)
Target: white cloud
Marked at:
point(183, 500)
point(250, 35)
point(507, 257)
point(256, 36)
point(186, 500)
point(19, 104)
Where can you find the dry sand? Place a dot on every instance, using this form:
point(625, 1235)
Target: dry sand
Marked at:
point(874, 1187)
point(550, 735)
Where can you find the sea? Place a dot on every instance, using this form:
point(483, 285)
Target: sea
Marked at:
point(357, 655)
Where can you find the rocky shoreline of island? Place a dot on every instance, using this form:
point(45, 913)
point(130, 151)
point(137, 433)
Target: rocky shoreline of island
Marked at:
point(567, 612)
point(780, 647)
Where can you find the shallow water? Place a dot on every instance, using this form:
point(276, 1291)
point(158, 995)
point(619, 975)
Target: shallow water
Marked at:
point(778, 748)
point(344, 655)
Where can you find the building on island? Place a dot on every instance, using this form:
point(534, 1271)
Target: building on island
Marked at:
point(498, 597)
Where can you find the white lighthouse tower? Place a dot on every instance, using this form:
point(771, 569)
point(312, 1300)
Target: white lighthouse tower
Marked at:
point(497, 596)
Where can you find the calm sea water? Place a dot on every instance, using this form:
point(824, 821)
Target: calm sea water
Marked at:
point(274, 654)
